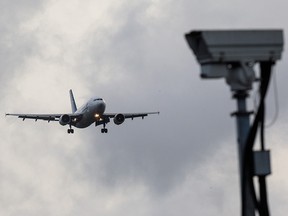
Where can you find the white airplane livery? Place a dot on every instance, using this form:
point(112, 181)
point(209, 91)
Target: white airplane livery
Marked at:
point(91, 112)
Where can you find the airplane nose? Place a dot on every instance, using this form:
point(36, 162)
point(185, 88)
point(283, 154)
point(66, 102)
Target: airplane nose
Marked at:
point(101, 106)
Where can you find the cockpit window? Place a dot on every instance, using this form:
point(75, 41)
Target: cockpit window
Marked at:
point(98, 99)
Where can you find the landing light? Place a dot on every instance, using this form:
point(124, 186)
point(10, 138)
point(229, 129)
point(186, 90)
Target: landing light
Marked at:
point(97, 116)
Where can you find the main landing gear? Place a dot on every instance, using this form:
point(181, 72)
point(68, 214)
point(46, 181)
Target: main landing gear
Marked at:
point(70, 130)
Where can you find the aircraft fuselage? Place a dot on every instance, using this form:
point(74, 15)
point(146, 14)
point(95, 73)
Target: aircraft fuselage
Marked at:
point(90, 112)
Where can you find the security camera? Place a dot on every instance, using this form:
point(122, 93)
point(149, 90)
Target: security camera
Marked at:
point(217, 51)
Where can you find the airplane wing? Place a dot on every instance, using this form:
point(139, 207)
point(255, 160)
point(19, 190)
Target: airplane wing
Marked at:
point(129, 115)
point(45, 117)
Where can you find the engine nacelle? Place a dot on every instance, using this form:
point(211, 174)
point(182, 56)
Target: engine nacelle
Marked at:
point(65, 119)
point(119, 119)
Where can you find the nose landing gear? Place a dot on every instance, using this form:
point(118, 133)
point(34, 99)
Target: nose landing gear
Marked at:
point(103, 122)
point(104, 129)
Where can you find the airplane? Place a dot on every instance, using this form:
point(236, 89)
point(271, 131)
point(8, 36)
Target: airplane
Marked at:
point(91, 112)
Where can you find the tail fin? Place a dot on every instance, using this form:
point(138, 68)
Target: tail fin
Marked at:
point(73, 104)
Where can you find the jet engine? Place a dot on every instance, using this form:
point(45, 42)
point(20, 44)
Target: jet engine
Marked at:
point(119, 119)
point(65, 119)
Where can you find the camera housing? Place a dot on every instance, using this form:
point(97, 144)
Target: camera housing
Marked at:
point(217, 50)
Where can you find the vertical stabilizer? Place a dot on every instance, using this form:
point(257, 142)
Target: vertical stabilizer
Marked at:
point(73, 104)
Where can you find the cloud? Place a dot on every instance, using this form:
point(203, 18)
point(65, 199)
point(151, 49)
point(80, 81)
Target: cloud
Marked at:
point(15, 45)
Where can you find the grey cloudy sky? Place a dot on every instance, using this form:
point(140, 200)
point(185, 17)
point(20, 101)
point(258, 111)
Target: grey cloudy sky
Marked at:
point(133, 54)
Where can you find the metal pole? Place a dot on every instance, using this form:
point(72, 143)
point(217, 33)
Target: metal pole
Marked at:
point(243, 126)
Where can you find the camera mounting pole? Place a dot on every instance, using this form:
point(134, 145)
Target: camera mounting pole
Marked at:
point(232, 55)
point(240, 79)
point(243, 125)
